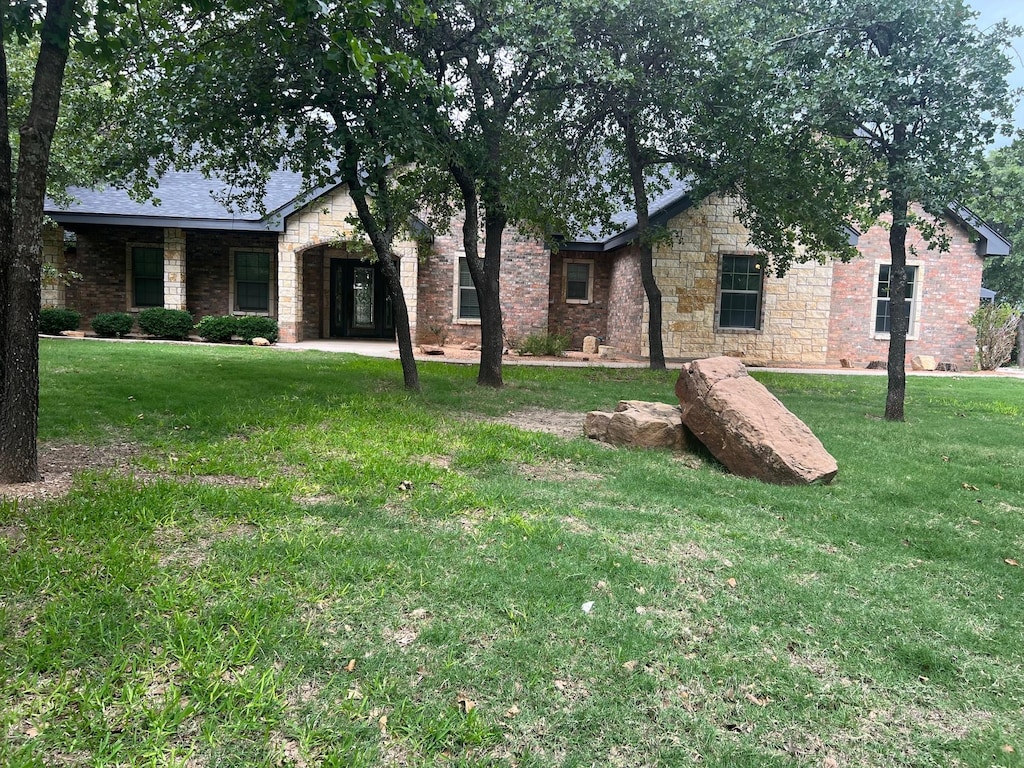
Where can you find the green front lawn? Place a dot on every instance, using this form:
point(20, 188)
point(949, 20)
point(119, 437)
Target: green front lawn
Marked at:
point(308, 566)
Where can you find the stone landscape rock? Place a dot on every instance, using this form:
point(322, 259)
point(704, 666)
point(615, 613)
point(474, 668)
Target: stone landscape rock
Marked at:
point(638, 424)
point(590, 345)
point(878, 365)
point(746, 428)
point(845, 362)
point(949, 367)
point(259, 341)
point(605, 350)
point(923, 363)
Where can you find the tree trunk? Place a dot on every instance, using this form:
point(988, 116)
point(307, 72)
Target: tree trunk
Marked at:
point(392, 275)
point(899, 321)
point(643, 236)
point(485, 273)
point(487, 280)
point(1020, 341)
point(21, 259)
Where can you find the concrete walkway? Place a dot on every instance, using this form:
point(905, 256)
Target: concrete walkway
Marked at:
point(389, 349)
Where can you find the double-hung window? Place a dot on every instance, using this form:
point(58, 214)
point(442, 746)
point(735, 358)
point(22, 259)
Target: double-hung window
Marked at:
point(468, 304)
point(883, 320)
point(147, 281)
point(739, 294)
point(252, 281)
point(578, 279)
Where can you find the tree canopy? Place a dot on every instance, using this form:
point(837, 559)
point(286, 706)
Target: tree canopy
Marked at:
point(914, 92)
point(998, 196)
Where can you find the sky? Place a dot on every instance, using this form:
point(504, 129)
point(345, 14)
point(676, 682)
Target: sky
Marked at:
point(991, 11)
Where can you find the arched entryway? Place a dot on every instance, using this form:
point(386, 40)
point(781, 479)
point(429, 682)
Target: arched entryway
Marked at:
point(359, 305)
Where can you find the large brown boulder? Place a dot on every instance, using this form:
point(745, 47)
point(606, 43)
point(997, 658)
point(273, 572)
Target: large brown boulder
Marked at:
point(638, 424)
point(746, 427)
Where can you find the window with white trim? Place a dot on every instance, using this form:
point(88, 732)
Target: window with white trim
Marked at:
point(251, 281)
point(882, 317)
point(578, 281)
point(146, 276)
point(740, 287)
point(468, 304)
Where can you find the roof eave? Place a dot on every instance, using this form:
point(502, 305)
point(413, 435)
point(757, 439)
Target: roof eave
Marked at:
point(990, 242)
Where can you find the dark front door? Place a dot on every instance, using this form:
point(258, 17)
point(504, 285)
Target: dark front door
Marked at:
point(360, 305)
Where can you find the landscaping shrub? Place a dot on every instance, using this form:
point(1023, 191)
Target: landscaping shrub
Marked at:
point(218, 329)
point(165, 323)
point(53, 321)
point(553, 344)
point(251, 326)
point(996, 325)
point(112, 324)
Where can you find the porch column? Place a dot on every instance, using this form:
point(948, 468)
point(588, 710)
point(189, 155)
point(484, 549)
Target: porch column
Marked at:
point(289, 289)
point(174, 268)
point(408, 269)
point(53, 294)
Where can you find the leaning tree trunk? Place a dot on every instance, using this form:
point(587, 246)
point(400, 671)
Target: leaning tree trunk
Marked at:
point(410, 373)
point(382, 248)
point(22, 258)
point(899, 321)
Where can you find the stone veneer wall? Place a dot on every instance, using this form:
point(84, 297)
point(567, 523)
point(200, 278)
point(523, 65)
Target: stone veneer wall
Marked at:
point(524, 289)
point(795, 308)
point(53, 294)
point(947, 294)
point(320, 223)
point(579, 320)
point(101, 258)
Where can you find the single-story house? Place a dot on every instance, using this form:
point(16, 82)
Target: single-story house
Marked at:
point(302, 263)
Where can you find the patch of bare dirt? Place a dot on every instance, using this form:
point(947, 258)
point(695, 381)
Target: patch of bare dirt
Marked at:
point(191, 548)
point(562, 423)
point(557, 471)
point(60, 462)
point(471, 353)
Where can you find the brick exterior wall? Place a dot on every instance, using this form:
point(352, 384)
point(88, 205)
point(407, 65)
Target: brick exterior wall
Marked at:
point(208, 268)
point(579, 320)
point(525, 267)
point(315, 293)
point(100, 256)
point(947, 294)
point(626, 302)
point(795, 308)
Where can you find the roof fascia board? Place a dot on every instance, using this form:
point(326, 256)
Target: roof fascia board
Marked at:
point(120, 220)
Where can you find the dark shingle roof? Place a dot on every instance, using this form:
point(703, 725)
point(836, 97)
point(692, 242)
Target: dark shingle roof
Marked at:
point(185, 199)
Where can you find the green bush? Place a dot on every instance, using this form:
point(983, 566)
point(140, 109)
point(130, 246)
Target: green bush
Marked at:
point(553, 344)
point(166, 323)
point(112, 324)
point(251, 326)
point(53, 321)
point(996, 326)
point(218, 329)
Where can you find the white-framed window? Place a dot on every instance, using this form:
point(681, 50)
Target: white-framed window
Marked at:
point(252, 286)
point(881, 304)
point(145, 272)
point(577, 281)
point(467, 305)
point(740, 291)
